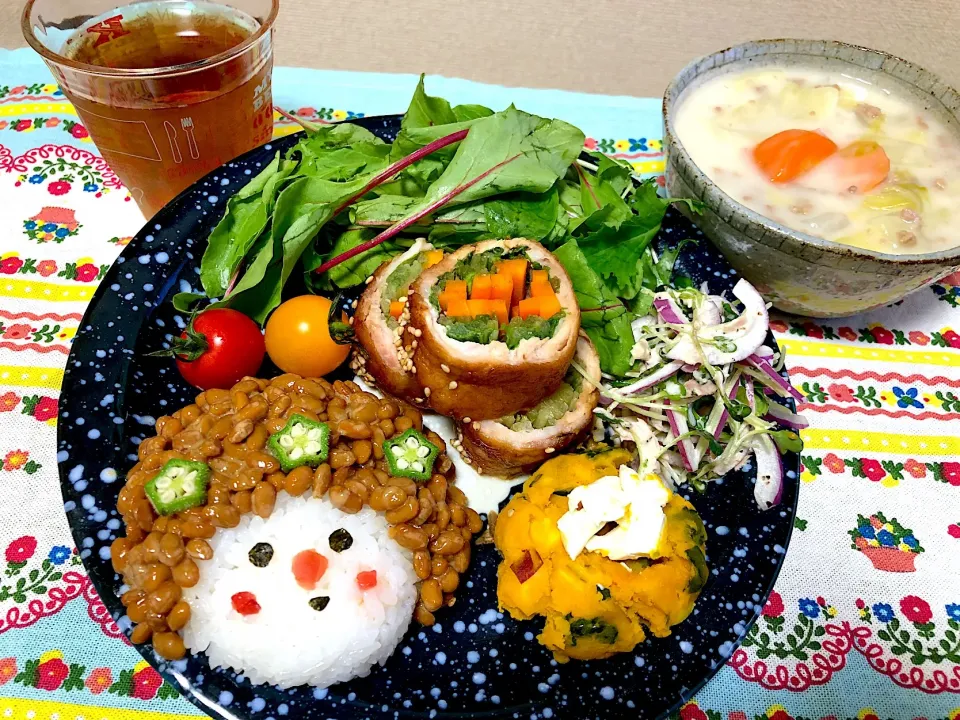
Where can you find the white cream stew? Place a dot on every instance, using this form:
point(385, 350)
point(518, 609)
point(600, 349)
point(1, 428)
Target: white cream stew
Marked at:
point(858, 164)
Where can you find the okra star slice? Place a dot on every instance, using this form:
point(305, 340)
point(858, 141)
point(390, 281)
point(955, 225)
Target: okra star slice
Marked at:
point(301, 442)
point(411, 455)
point(180, 485)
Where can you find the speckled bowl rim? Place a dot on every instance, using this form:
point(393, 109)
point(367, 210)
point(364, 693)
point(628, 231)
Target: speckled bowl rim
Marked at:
point(841, 52)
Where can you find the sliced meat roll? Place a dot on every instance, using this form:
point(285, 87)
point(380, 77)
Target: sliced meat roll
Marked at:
point(384, 355)
point(496, 325)
point(519, 443)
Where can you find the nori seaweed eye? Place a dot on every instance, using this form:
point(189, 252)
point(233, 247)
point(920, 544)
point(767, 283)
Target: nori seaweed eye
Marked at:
point(319, 603)
point(340, 540)
point(261, 554)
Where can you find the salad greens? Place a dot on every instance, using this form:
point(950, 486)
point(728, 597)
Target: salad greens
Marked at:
point(341, 202)
point(694, 403)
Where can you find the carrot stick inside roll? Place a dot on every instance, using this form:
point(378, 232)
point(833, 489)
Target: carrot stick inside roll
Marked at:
point(518, 443)
point(381, 324)
point(478, 357)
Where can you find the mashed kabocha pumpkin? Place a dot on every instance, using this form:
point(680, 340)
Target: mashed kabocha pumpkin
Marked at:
point(594, 607)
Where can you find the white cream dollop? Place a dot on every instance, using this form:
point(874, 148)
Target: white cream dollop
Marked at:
point(634, 503)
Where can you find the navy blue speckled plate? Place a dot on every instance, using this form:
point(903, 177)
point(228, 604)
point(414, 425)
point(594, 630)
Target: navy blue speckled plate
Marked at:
point(475, 662)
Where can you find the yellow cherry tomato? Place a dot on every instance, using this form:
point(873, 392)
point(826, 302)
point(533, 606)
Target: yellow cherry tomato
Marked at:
point(298, 337)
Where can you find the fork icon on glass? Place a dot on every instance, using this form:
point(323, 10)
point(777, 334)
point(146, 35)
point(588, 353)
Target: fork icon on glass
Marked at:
point(187, 125)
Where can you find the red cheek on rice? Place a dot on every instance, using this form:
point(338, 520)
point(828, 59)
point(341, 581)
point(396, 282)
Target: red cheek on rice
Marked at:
point(367, 579)
point(245, 603)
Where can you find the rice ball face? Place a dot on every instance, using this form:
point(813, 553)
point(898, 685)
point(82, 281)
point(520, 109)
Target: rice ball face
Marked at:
point(291, 633)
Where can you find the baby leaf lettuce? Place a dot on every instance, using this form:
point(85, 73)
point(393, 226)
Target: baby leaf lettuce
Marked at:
point(505, 152)
point(614, 270)
point(245, 218)
point(427, 119)
point(541, 150)
point(477, 175)
point(355, 270)
point(527, 215)
point(602, 315)
point(302, 209)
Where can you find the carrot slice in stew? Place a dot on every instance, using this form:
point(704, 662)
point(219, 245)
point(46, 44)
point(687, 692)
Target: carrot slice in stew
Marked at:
point(864, 164)
point(789, 154)
point(308, 567)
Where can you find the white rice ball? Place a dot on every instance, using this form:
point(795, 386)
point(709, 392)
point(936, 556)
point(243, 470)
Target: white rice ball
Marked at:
point(288, 642)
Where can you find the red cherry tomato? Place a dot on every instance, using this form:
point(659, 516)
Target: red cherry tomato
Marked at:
point(219, 348)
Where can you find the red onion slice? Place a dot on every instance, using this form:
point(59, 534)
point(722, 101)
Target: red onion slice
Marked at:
point(669, 310)
point(743, 335)
point(764, 366)
point(783, 416)
point(679, 427)
point(667, 371)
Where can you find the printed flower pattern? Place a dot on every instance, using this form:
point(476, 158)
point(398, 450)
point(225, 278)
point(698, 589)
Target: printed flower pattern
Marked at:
point(59, 554)
point(53, 672)
point(873, 334)
point(62, 175)
point(40, 407)
point(8, 670)
point(52, 224)
point(914, 399)
point(919, 638)
point(21, 549)
point(773, 606)
point(915, 609)
point(887, 472)
point(886, 543)
point(99, 680)
point(841, 393)
point(321, 114)
point(883, 612)
point(80, 270)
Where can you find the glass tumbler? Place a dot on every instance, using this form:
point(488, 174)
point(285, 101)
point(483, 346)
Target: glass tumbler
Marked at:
point(167, 89)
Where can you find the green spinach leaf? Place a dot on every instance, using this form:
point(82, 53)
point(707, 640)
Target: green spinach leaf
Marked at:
point(356, 270)
point(521, 152)
point(522, 215)
point(246, 217)
point(602, 315)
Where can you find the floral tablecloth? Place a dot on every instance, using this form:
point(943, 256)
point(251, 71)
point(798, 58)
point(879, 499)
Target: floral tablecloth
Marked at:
point(865, 620)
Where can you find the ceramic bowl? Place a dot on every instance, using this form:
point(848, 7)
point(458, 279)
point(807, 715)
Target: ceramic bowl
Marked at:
point(800, 273)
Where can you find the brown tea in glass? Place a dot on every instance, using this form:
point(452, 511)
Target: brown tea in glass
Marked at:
point(168, 90)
